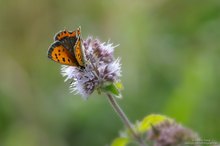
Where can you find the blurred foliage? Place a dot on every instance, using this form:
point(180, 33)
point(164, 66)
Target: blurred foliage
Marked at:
point(170, 54)
point(141, 127)
point(157, 129)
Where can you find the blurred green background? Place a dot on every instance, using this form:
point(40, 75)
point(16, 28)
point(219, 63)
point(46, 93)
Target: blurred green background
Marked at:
point(170, 54)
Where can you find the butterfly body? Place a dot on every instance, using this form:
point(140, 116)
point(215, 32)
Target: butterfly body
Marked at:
point(68, 49)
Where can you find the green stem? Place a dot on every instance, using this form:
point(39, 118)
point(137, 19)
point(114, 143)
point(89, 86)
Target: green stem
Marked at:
point(124, 119)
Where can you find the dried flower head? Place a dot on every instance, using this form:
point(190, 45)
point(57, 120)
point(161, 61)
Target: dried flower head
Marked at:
point(170, 133)
point(101, 69)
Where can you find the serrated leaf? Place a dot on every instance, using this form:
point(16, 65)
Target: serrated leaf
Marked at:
point(120, 141)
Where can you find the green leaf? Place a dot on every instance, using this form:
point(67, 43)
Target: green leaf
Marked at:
point(120, 141)
point(112, 89)
point(150, 121)
point(119, 85)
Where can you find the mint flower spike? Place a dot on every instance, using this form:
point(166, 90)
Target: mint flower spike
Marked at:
point(102, 71)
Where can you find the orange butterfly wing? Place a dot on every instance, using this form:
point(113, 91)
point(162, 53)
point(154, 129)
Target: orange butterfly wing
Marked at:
point(63, 34)
point(58, 53)
point(79, 52)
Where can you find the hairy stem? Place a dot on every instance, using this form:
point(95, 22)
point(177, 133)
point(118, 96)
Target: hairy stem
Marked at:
point(124, 119)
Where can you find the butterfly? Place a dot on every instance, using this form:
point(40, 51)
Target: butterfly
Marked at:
point(68, 49)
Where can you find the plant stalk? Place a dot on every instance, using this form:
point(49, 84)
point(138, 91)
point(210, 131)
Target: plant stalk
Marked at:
point(124, 119)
